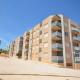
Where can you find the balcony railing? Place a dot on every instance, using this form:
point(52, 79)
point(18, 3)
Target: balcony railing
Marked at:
point(58, 34)
point(58, 59)
point(56, 23)
point(76, 38)
point(77, 59)
point(76, 48)
point(75, 29)
point(57, 46)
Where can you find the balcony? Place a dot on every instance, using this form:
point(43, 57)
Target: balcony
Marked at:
point(75, 30)
point(56, 35)
point(77, 59)
point(57, 59)
point(76, 48)
point(76, 38)
point(57, 47)
point(56, 25)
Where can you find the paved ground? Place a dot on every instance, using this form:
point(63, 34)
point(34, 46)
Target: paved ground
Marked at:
point(14, 69)
point(29, 77)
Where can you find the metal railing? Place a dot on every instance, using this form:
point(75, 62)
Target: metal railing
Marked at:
point(56, 34)
point(56, 23)
point(75, 29)
point(76, 48)
point(77, 38)
point(57, 59)
point(57, 45)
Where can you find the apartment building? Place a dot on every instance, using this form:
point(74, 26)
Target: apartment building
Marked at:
point(55, 40)
point(16, 47)
point(25, 45)
point(11, 48)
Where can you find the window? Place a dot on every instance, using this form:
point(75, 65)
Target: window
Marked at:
point(40, 49)
point(40, 41)
point(77, 44)
point(40, 33)
point(66, 33)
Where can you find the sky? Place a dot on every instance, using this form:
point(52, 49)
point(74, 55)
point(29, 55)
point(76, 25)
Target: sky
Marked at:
point(18, 16)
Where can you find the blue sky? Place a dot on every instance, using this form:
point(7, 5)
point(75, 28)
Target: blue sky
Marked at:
point(18, 16)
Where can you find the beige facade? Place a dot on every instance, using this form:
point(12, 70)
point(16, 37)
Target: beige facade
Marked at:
point(11, 48)
point(55, 40)
point(25, 48)
point(16, 47)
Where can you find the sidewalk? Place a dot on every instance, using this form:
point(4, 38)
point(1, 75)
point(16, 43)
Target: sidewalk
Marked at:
point(16, 67)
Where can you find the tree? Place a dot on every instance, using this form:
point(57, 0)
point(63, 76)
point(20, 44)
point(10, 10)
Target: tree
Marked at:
point(3, 51)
